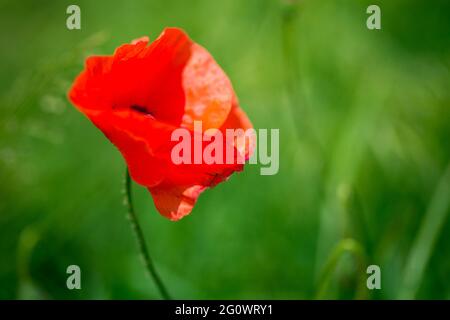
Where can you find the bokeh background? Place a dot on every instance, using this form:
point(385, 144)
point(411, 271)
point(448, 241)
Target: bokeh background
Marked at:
point(364, 155)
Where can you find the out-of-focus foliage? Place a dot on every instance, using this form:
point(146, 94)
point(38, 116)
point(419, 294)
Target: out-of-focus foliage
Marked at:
point(364, 154)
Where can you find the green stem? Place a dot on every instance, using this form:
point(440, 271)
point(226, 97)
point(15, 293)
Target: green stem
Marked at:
point(141, 240)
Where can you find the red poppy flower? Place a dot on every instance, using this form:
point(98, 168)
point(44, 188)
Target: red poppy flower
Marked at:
point(139, 95)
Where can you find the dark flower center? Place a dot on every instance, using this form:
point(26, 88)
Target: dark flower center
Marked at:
point(141, 109)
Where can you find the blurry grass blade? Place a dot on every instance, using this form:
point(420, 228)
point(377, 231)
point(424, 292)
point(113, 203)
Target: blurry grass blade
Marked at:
point(344, 246)
point(429, 231)
point(27, 288)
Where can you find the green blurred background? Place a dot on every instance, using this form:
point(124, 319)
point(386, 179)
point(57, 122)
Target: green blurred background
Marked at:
point(364, 155)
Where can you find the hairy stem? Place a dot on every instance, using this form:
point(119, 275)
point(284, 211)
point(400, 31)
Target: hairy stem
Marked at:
point(141, 240)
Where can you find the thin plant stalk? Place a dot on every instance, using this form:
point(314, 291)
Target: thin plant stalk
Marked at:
point(148, 262)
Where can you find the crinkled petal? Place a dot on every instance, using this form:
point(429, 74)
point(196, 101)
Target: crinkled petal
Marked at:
point(208, 90)
point(149, 77)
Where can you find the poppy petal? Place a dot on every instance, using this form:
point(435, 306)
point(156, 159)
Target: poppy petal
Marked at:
point(209, 93)
point(237, 119)
point(176, 202)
